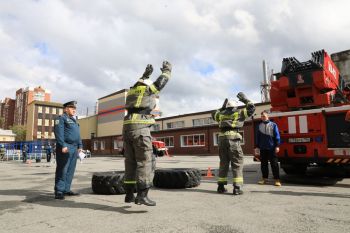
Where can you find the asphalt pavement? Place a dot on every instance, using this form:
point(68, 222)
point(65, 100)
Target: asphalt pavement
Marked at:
point(318, 202)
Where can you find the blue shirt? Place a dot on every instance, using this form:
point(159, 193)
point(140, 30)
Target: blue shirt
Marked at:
point(67, 131)
point(267, 136)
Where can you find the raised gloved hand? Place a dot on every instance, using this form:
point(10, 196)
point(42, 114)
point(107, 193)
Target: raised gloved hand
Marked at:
point(148, 71)
point(224, 105)
point(241, 97)
point(166, 66)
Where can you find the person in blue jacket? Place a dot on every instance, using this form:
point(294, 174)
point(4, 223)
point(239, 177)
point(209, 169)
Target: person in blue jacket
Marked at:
point(68, 145)
point(267, 143)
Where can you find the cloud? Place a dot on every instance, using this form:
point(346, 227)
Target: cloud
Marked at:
point(86, 51)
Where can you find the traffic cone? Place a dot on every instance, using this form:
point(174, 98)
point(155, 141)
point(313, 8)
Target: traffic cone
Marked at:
point(209, 173)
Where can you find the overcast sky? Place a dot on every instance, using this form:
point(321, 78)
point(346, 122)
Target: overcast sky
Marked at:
point(84, 50)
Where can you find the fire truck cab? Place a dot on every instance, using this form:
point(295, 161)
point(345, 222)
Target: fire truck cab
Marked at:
point(309, 103)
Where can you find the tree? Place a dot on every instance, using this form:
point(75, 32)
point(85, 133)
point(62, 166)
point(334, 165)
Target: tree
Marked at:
point(20, 131)
point(2, 121)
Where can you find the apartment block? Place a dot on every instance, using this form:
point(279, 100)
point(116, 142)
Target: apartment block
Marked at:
point(41, 119)
point(25, 96)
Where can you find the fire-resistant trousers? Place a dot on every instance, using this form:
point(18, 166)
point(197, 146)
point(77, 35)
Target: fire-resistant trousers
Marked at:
point(230, 151)
point(140, 161)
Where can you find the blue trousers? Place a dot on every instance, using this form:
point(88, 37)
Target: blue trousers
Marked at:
point(66, 163)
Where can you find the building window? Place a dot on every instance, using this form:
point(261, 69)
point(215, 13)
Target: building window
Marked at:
point(192, 140)
point(47, 110)
point(216, 138)
point(103, 144)
point(169, 141)
point(155, 127)
point(39, 96)
point(174, 125)
point(203, 121)
point(117, 144)
point(38, 135)
point(95, 145)
point(47, 122)
point(54, 111)
point(52, 122)
point(46, 135)
point(40, 121)
point(60, 111)
point(40, 109)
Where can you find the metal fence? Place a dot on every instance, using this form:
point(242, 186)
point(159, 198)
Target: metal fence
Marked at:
point(35, 150)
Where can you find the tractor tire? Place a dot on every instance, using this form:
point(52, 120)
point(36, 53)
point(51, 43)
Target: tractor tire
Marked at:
point(109, 183)
point(177, 178)
point(160, 153)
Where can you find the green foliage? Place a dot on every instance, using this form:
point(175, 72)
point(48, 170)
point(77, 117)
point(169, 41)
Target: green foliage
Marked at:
point(20, 131)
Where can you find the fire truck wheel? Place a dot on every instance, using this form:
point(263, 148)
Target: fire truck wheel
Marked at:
point(177, 178)
point(294, 169)
point(108, 182)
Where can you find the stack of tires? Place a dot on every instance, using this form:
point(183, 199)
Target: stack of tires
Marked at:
point(174, 178)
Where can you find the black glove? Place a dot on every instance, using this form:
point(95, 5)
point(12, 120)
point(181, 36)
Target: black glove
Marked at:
point(148, 71)
point(224, 105)
point(166, 66)
point(241, 97)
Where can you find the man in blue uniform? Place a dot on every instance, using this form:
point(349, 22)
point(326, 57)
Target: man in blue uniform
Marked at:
point(68, 145)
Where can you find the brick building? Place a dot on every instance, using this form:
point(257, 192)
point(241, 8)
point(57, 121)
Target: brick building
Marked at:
point(7, 111)
point(25, 96)
point(41, 119)
point(194, 133)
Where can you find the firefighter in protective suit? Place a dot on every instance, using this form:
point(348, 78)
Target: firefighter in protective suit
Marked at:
point(230, 121)
point(139, 157)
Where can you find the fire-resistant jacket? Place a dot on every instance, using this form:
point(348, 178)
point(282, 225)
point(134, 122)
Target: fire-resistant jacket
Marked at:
point(232, 119)
point(141, 100)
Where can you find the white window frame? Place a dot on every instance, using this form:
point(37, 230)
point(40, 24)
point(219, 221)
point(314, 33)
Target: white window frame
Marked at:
point(40, 122)
point(47, 122)
point(193, 135)
point(60, 111)
point(201, 121)
point(216, 138)
point(47, 110)
point(175, 125)
point(40, 109)
point(164, 138)
point(102, 145)
point(95, 145)
point(115, 144)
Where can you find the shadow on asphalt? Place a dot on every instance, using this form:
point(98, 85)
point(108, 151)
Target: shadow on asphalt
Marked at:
point(317, 176)
point(294, 193)
point(45, 198)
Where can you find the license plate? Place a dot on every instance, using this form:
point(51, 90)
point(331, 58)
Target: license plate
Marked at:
point(298, 140)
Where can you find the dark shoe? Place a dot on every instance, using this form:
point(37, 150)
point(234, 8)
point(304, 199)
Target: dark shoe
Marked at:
point(129, 196)
point(142, 198)
point(237, 190)
point(221, 188)
point(59, 196)
point(71, 193)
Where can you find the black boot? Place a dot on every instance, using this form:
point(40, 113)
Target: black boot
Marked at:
point(221, 188)
point(237, 190)
point(142, 198)
point(129, 197)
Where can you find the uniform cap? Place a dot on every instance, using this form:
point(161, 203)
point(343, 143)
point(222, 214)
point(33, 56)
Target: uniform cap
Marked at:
point(72, 104)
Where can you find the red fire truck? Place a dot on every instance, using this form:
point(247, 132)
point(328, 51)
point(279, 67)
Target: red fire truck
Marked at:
point(309, 103)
